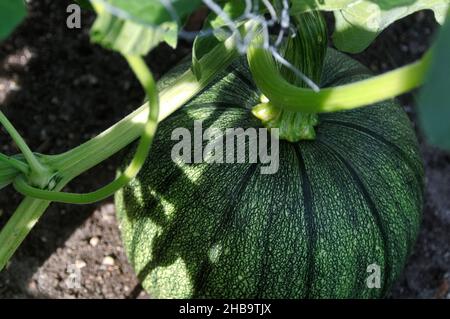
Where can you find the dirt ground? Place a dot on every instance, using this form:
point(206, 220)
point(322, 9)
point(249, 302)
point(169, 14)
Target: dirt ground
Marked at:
point(59, 91)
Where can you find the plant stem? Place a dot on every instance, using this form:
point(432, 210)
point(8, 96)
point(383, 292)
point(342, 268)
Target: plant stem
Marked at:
point(290, 97)
point(36, 167)
point(305, 52)
point(78, 160)
point(85, 157)
point(18, 165)
point(18, 227)
point(145, 76)
point(217, 59)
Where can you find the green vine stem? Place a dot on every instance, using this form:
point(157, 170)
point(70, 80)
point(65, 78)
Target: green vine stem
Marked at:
point(145, 76)
point(39, 175)
point(78, 160)
point(142, 152)
point(14, 163)
point(306, 52)
point(293, 98)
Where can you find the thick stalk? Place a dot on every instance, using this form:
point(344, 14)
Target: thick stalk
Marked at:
point(350, 96)
point(306, 53)
point(78, 160)
point(147, 81)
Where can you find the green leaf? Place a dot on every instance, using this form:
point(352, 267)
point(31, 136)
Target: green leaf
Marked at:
point(131, 38)
point(85, 4)
point(12, 12)
point(213, 33)
point(232, 8)
point(150, 12)
point(202, 45)
point(135, 27)
point(359, 22)
point(434, 103)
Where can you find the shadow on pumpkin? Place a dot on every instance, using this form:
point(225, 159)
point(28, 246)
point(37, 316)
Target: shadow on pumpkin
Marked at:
point(192, 211)
point(185, 232)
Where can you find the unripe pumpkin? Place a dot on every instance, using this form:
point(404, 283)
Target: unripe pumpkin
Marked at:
point(339, 206)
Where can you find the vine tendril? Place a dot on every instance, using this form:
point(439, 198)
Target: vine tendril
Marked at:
point(147, 81)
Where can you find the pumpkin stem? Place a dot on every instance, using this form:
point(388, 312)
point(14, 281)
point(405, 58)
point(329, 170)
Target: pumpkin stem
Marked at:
point(305, 50)
point(293, 126)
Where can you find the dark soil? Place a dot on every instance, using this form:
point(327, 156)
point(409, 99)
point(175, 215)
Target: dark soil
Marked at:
point(59, 90)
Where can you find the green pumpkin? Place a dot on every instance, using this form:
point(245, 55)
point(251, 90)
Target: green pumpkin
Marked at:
point(339, 206)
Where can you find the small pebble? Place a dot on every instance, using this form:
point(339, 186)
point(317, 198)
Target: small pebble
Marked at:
point(94, 241)
point(108, 261)
point(80, 264)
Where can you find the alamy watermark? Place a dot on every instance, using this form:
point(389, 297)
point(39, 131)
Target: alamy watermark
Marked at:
point(73, 280)
point(73, 20)
point(374, 279)
point(229, 146)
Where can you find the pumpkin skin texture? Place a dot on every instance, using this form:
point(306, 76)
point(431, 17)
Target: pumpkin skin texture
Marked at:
point(349, 199)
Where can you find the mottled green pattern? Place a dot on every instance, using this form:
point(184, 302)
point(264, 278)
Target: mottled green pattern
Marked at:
point(349, 199)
